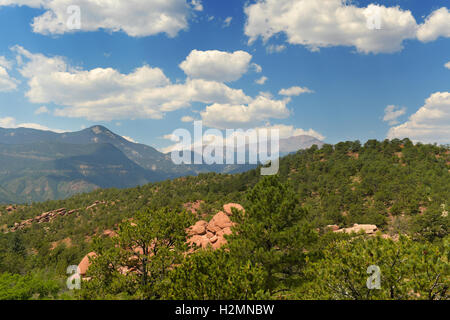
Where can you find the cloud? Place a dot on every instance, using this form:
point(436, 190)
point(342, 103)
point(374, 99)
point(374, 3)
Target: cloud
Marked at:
point(7, 64)
point(137, 18)
point(285, 131)
point(216, 65)
point(392, 113)
point(257, 68)
point(261, 80)
point(227, 22)
point(294, 91)
point(104, 94)
point(42, 110)
point(187, 119)
point(275, 48)
point(129, 139)
point(436, 25)
point(447, 65)
point(260, 109)
point(319, 24)
point(431, 123)
point(197, 5)
point(11, 123)
point(7, 83)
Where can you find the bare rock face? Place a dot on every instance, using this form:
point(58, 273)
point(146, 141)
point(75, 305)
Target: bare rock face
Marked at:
point(367, 228)
point(85, 263)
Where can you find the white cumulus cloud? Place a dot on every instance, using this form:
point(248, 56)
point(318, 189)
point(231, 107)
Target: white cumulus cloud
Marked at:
point(436, 25)
point(261, 80)
point(11, 123)
point(260, 109)
point(7, 83)
point(106, 94)
point(294, 91)
point(430, 124)
point(187, 119)
point(136, 18)
point(447, 65)
point(42, 110)
point(392, 113)
point(319, 24)
point(216, 65)
point(285, 131)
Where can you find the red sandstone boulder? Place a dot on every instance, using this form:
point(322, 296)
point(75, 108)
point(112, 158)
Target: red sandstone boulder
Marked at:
point(200, 241)
point(227, 208)
point(199, 228)
point(219, 221)
point(85, 263)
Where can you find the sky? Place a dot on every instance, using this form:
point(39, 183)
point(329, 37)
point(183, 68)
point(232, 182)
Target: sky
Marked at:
point(336, 70)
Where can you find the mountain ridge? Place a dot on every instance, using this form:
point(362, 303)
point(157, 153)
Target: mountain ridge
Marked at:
point(40, 165)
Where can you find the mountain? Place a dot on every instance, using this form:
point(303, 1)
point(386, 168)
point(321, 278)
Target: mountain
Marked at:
point(40, 165)
point(293, 144)
point(143, 155)
point(53, 170)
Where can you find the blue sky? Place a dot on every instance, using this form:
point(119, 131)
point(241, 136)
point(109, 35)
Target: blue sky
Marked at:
point(363, 83)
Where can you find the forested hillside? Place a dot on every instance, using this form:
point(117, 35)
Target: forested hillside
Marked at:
point(280, 248)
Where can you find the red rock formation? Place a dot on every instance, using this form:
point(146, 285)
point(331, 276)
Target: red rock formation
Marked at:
point(193, 207)
point(227, 208)
point(85, 263)
point(204, 234)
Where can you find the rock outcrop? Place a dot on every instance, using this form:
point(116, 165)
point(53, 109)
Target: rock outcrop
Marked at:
point(367, 228)
point(193, 207)
point(49, 216)
point(85, 263)
point(227, 208)
point(44, 217)
point(204, 234)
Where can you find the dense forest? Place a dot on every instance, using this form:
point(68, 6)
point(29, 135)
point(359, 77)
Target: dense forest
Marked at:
point(280, 248)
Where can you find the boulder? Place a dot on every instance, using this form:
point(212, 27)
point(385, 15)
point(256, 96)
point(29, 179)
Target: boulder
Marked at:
point(227, 208)
point(219, 243)
point(85, 263)
point(219, 221)
point(200, 241)
point(199, 228)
